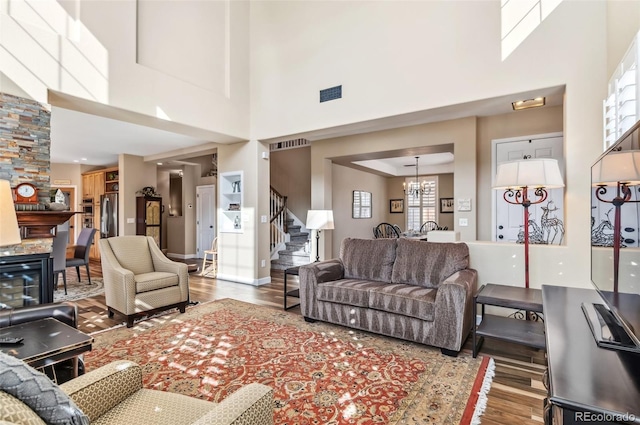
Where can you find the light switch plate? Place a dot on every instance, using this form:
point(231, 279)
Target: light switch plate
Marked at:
point(463, 222)
point(131, 220)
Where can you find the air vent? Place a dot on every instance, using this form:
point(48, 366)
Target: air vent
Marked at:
point(332, 93)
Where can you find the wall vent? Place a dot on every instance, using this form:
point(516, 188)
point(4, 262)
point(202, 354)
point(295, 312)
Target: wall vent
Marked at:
point(331, 93)
point(289, 144)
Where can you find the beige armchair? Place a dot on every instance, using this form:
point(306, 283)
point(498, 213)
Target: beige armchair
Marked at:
point(113, 394)
point(139, 279)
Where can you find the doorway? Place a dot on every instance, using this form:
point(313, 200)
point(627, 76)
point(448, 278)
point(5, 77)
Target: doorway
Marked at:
point(205, 218)
point(508, 219)
point(69, 194)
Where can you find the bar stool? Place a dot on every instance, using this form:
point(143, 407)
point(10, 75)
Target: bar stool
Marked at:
point(213, 261)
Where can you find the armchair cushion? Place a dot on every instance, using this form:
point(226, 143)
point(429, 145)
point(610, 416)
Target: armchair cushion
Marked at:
point(37, 391)
point(146, 282)
point(132, 253)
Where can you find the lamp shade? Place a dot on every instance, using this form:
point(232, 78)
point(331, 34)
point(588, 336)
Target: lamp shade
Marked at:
point(623, 167)
point(535, 172)
point(319, 219)
point(9, 230)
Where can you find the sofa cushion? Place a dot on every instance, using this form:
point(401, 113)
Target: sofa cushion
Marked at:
point(369, 259)
point(353, 292)
point(407, 300)
point(36, 390)
point(153, 281)
point(428, 263)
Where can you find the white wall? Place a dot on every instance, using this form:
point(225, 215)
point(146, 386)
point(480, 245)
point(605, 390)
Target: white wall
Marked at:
point(345, 181)
point(397, 57)
point(88, 49)
point(240, 254)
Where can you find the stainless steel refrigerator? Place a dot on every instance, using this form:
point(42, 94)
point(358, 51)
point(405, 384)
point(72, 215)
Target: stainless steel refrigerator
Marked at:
point(109, 215)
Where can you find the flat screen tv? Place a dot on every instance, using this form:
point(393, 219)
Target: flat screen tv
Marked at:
point(615, 245)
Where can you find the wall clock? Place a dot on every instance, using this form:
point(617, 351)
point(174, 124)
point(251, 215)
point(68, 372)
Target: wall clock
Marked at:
point(26, 193)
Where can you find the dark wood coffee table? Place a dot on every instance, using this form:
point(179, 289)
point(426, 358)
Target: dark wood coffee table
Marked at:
point(46, 342)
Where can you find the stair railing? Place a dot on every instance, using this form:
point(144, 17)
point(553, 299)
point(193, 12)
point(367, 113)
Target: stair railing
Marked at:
point(278, 212)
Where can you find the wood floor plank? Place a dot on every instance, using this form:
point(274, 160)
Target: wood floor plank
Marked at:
point(516, 397)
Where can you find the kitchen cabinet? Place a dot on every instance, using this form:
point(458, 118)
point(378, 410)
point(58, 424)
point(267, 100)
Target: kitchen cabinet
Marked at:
point(98, 185)
point(87, 185)
point(112, 184)
point(149, 217)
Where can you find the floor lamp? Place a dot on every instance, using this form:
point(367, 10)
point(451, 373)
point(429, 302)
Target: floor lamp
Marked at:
point(517, 179)
point(9, 230)
point(619, 170)
point(319, 220)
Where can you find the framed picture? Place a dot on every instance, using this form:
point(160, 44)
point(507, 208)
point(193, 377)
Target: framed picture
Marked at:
point(396, 206)
point(446, 205)
point(361, 204)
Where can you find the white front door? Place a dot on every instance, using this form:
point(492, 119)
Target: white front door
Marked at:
point(546, 220)
point(205, 218)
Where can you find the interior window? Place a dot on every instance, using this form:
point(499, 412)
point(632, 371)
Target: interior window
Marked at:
point(422, 207)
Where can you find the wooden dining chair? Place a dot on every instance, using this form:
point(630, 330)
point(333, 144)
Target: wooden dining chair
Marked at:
point(213, 252)
point(428, 226)
point(385, 230)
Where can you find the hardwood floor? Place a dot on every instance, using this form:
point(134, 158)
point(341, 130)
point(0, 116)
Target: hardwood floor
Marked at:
point(516, 395)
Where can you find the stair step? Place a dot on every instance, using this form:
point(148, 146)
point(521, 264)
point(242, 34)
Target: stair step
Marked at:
point(300, 237)
point(285, 264)
point(295, 246)
point(293, 253)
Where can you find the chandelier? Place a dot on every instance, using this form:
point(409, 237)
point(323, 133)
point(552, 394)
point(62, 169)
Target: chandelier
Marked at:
point(415, 188)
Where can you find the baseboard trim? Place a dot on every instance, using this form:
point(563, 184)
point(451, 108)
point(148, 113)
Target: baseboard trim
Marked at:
point(247, 281)
point(181, 256)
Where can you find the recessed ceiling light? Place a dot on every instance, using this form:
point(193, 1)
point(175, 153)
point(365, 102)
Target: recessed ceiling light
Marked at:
point(528, 103)
point(159, 163)
point(83, 159)
point(76, 160)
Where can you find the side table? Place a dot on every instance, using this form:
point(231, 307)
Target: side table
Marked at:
point(525, 332)
point(294, 271)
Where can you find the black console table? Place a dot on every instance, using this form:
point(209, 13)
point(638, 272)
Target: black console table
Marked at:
point(586, 384)
point(524, 332)
point(294, 271)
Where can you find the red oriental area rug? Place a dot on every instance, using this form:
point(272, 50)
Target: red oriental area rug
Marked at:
point(321, 373)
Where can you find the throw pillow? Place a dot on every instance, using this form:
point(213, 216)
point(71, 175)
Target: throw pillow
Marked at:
point(37, 391)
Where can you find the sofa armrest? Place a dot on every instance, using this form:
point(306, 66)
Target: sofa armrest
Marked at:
point(65, 312)
point(100, 390)
point(454, 308)
point(251, 405)
point(312, 274)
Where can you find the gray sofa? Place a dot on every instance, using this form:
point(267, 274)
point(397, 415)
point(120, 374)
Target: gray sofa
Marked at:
point(413, 290)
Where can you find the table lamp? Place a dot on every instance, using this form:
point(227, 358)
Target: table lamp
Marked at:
point(9, 230)
point(319, 220)
point(516, 178)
